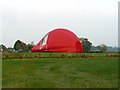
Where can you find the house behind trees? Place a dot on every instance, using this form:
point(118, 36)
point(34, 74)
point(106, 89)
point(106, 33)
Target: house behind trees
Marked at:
point(20, 46)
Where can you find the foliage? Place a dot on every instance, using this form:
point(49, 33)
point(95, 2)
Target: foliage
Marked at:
point(86, 44)
point(102, 47)
point(3, 47)
point(26, 55)
point(29, 46)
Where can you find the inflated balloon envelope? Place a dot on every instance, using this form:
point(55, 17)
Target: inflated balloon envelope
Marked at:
point(59, 40)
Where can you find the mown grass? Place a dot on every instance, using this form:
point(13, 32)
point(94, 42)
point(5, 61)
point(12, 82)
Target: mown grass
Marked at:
point(90, 72)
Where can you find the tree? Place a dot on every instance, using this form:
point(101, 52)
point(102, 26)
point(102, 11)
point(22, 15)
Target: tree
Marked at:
point(30, 46)
point(10, 49)
point(2, 47)
point(86, 44)
point(102, 47)
point(94, 48)
point(32, 43)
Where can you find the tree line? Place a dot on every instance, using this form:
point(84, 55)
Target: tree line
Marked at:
point(21, 46)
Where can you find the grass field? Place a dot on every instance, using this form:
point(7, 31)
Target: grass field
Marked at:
point(59, 71)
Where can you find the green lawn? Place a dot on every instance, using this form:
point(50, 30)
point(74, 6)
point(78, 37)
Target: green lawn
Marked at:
point(90, 72)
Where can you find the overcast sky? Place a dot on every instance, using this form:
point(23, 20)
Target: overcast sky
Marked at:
point(30, 20)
